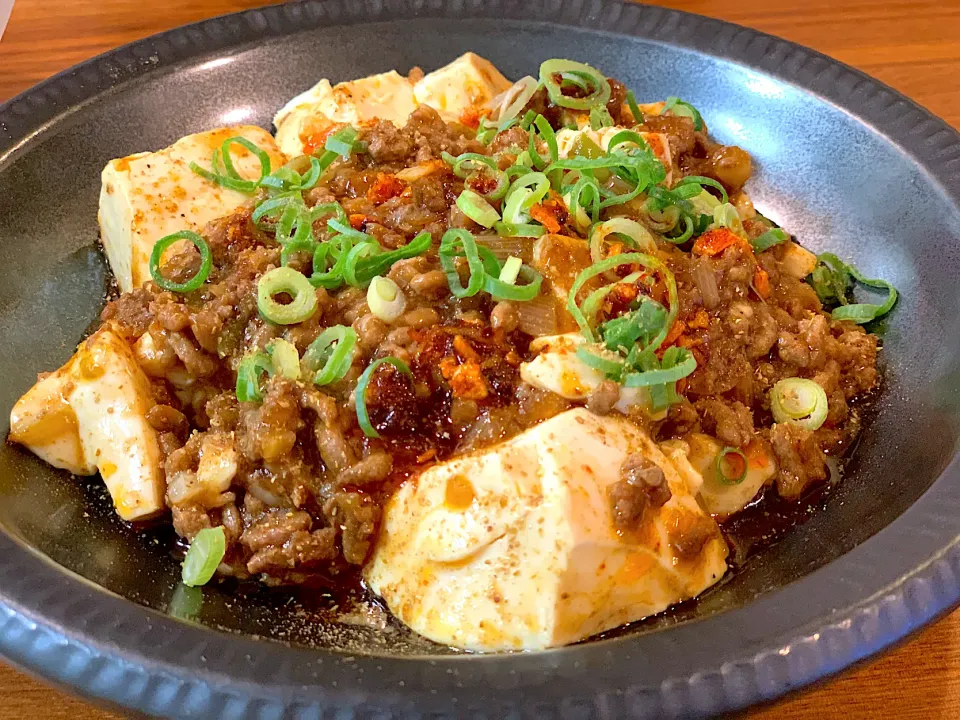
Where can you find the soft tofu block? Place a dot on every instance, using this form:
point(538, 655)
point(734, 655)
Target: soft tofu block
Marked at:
point(515, 547)
point(303, 123)
point(90, 416)
point(146, 196)
point(464, 87)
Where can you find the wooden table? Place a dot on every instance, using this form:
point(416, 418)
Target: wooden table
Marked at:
point(909, 44)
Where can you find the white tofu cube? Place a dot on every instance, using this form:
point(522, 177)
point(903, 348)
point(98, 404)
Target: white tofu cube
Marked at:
point(515, 547)
point(90, 416)
point(465, 86)
point(147, 196)
point(310, 115)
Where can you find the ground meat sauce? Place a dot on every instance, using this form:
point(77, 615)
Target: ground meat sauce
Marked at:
point(305, 501)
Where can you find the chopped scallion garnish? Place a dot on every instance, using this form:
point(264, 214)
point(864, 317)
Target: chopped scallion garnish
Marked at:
point(194, 283)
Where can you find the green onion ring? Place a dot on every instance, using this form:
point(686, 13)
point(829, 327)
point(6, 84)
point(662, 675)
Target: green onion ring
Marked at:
point(206, 262)
point(229, 177)
point(638, 236)
point(475, 207)
point(721, 460)
point(251, 368)
point(683, 109)
point(331, 278)
point(519, 229)
point(599, 95)
point(514, 100)
point(363, 417)
point(861, 312)
point(773, 236)
point(634, 108)
point(328, 358)
point(663, 376)
point(701, 180)
point(585, 195)
point(342, 142)
point(612, 368)
point(204, 556)
point(284, 358)
point(369, 267)
point(688, 228)
point(649, 262)
point(359, 252)
point(451, 243)
point(285, 280)
point(500, 289)
point(550, 137)
point(799, 401)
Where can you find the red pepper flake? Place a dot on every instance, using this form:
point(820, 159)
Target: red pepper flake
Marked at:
point(714, 242)
point(358, 220)
point(676, 330)
point(471, 117)
point(314, 140)
point(761, 282)
point(699, 321)
point(386, 186)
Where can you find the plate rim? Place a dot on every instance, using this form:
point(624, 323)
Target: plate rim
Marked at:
point(56, 624)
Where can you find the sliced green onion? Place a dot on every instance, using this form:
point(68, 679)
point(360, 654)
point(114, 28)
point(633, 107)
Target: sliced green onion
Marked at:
point(636, 326)
point(702, 180)
point(363, 417)
point(688, 228)
point(649, 262)
point(799, 401)
point(284, 358)
point(369, 267)
point(194, 283)
point(519, 229)
point(285, 280)
point(634, 108)
point(477, 209)
point(470, 167)
point(486, 131)
point(831, 280)
point(600, 118)
point(452, 243)
point(611, 367)
point(204, 556)
point(252, 367)
point(683, 109)
point(549, 137)
point(773, 236)
point(357, 254)
point(328, 358)
point(228, 176)
point(186, 603)
point(386, 299)
point(583, 201)
point(342, 142)
point(731, 473)
point(599, 92)
point(636, 235)
point(330, 277)
point(680, 361)
point(514, 100)
point(500, 289)
point(725, 215)
point(511, 270)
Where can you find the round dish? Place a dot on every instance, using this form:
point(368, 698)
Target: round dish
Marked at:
point(814, 127)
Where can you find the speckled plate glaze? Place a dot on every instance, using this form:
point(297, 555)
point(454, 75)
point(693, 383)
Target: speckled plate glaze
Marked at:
point(844, 162)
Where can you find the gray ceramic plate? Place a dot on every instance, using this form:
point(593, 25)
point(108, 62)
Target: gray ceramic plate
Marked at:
point(844, 162)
